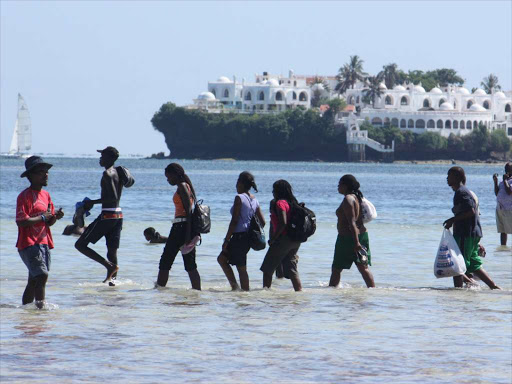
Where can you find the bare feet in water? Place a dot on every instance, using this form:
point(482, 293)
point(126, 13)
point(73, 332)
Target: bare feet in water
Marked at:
point(110, 271)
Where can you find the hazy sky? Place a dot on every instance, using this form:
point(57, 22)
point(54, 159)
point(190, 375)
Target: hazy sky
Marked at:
point(94, 73)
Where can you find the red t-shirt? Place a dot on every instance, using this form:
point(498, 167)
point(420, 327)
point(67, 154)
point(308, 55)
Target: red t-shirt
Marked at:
point(31, 203)
point(283, 206)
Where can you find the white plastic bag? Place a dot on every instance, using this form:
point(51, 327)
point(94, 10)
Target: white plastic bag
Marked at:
point(368, 210)
point(449, 260)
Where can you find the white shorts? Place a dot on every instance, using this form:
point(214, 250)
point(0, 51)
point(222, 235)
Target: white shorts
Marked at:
point(504, 221)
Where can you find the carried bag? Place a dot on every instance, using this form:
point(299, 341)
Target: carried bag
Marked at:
point(256, 234)
point(368, 210)
point(201, 221)
point(449, 259)
point(125, 176)
point(302, 223)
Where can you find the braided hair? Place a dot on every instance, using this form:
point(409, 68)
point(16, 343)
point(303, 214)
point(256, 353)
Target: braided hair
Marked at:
point(179, 172)
point(353, 186)
point(283, 191)
point(247, 180)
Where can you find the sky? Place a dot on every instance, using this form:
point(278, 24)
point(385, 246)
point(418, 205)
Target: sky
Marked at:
point(94, 73)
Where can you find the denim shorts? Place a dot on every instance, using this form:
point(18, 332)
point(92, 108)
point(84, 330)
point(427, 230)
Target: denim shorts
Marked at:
point(37, 259)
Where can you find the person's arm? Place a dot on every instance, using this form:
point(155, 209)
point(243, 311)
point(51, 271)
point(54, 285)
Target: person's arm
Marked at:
point(508, 188)
point(496, 187)
point(349, 209)
point(281, 223)
point(57, 216)
point(237, 207)
point(185, 199)
point(34, 220)
point(260, 216)
point(464, 215)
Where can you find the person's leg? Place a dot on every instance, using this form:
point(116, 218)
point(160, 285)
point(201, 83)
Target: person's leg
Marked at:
point(189, 260)
point(40, 289)
point(290, 266)
point(82, 246)
point(172, 246)
point(484, 276)
point(195, 279)
point(367, 275)
point(244, 277)
point(279, 272)
point(30, 291)
point(458, 281)
point(228, 271)
point(335, 277)
point(503, 238)
point(297, 285)
point(267, 279)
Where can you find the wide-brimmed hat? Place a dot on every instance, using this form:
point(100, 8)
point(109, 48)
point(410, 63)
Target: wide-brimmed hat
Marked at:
point(111, 151)
point(33, 162)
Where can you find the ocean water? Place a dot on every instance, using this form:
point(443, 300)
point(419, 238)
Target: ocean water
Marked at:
point(412, 328)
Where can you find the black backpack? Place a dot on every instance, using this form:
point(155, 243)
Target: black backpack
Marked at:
point(302, 223)
point(125, 176)
point(201, 221)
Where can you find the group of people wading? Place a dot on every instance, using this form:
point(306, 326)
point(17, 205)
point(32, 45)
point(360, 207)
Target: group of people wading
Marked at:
point(35, 214)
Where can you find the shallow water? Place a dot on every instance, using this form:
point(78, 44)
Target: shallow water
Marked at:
point(413, 328)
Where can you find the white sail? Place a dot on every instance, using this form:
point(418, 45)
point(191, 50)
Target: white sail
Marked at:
point(22, 135)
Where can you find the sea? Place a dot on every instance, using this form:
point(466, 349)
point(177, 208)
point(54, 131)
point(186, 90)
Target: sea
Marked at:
point(411, 328)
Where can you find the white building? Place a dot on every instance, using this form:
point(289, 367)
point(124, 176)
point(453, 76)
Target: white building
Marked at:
point(267, 94)
point(448, 110)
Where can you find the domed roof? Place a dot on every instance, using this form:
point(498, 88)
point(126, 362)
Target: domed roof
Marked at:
point(463, 90)
point(399, 88)
point(382, 86)
point(479, 92)
point(477, 107)
point(446, 106)
point(436, 90)
point(272, 82)
point(500, 95)
point(223, 79)
point(317, 87)
point(419, 88)
point(206, 96)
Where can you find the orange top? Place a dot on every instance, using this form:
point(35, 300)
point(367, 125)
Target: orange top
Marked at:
point(179, 210)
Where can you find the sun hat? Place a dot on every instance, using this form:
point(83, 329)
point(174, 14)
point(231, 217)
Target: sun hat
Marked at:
point(32, 162)
point(111, 151)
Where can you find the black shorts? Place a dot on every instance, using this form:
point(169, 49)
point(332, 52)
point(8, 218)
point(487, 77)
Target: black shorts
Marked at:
point(238, 247)
point(110, 228)
point(174, 242)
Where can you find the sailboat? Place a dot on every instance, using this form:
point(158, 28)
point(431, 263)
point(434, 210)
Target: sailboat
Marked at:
point(21, 141)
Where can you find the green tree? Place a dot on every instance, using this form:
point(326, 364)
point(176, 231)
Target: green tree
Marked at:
point(335, 106)
point(373, 90)
point(445, 76)
point(432, 141)
point(490, 83)
point(350, 74)
point(390, 75)
point(499, 142)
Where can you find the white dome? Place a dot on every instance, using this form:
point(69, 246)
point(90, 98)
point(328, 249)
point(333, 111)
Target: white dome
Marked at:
point(500, 95)
point(317, 87)
point(382, 86)
point(463, 90)
point(436, 90)
point(399, 88)
point(272, 82)
point(477, 107)
point(206, 96)
point(223, 79)
point(419, 88)
point(446, 107)
point(479, 92)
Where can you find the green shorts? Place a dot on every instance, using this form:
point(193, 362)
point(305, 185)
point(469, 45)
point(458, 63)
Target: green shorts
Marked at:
point(470, 252)
point(344, 254)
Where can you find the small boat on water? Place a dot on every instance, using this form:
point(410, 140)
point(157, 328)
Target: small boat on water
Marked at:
point(21, 142)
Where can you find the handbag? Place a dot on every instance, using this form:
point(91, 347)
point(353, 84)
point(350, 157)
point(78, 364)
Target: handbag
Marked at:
point(201, 221)
point(256, 234)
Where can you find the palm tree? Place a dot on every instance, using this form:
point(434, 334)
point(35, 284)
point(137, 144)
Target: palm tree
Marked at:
point(321, 80)
point(390, 74)
point(350, 74)
point(490, 82)
point(373, 90)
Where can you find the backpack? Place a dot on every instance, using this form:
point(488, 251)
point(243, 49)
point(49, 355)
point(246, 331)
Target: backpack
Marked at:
point(302, 223)
point(256, 233)
point(125, 177)
point(201, 221)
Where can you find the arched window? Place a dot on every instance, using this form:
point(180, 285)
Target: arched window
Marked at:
point(376, 121)
point(475, 124)
point(394, 122)
point(468, 124)
point(448, 124)
point(486, 104)
point(404, 101)
point(386, 122)
point(261, 96)
point(403, 123)
point(420, 123)
point(388, 100)
point(441, 102)
point(294, 96)
point(426, 103)
point(410, 123)
point(214, 93)
point(279, 96)
point(469, 104)
point(507, 108)
point(439, 123)
point(303, 96)
point(248, 96)
point(431, 124)
point(357, 99)
point(455, 124)
point(226, 93)
point(480, 123)
point(462, 124)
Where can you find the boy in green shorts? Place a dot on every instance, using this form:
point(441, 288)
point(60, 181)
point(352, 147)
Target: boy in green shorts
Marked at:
point(467, 230)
